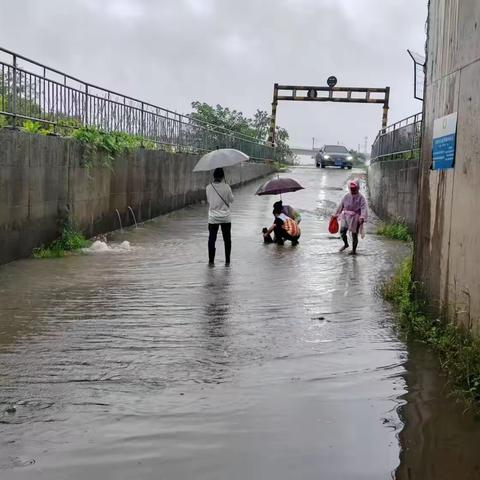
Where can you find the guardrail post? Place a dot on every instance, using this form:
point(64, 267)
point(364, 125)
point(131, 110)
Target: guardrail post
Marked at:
point(394, 136)
point(14, 90)
point(86, 107)
point(142, 122)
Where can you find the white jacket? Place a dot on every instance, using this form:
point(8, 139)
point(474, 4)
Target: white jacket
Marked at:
point(219, 212)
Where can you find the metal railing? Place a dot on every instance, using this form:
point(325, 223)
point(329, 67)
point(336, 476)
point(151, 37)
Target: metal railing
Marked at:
point(399, 139)
point(32, 91)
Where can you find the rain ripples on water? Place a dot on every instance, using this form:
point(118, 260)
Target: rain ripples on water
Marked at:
point(143, 362)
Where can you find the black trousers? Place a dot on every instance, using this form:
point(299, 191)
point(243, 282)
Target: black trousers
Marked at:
point(343, 234)
point(281, 235)
point(212, 238)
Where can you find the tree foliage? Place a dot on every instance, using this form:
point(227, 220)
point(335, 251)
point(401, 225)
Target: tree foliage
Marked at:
point(359, 158)
point(256, 128)
point(11, 96)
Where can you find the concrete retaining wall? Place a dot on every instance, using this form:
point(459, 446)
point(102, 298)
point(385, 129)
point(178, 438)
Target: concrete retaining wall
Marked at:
point(393, 189)
point(447, 251)
point(42, 177)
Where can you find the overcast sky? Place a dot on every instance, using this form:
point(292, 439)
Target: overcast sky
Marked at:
point(171, 52)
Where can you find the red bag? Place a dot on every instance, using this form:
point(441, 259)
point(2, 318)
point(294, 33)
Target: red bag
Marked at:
point(333, 225)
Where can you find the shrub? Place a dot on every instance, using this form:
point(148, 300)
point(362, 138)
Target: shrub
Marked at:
point(3, 121)
point(458, 349)
point(36, 127)
point(107, 144)
point(69, 240)
point(396, 230)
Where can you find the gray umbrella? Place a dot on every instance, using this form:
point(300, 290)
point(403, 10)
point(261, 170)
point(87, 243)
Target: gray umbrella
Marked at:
point(223, 157)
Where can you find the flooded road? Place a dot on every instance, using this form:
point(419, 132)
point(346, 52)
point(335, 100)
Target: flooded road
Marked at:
point(146, 363)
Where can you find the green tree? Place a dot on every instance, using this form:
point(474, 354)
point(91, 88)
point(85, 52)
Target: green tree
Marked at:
point(225, 121)
point(359, 158)
point(223, 118)
point(261, 124)
point(16, 99)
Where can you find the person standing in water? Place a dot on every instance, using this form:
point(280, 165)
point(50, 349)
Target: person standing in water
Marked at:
point(353, 212)
point(219, 198)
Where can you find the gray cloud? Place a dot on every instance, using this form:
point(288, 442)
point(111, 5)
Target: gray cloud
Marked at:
point(171, 52)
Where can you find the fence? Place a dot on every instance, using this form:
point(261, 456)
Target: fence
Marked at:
point(401, 139)
point(35, 92)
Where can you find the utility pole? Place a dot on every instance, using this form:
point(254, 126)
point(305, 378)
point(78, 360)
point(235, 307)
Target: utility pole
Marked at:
point(366, 145)
point(313, 144)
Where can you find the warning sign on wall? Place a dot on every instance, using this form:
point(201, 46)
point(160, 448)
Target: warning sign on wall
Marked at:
point(444, 142)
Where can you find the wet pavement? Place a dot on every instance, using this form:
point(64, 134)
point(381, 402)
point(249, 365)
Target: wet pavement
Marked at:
point(146, 363)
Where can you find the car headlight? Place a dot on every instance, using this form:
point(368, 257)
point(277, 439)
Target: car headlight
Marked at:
point(349, 157)
point(326, 157)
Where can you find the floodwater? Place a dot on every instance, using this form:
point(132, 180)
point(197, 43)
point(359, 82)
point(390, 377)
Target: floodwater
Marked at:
point(145, 363)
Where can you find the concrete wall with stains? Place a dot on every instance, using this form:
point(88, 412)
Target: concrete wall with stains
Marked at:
point(392, 186)
point(42, 178)
point(447, 252)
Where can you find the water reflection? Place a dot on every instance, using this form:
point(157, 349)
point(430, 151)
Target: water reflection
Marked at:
point(439, 440)
point(216, 293)
point(149, 363)
point(215, 324)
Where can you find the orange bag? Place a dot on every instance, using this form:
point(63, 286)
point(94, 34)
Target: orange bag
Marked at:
point(333, 225)
point(291, 227)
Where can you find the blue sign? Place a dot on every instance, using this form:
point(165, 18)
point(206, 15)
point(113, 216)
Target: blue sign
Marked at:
point(444, 142)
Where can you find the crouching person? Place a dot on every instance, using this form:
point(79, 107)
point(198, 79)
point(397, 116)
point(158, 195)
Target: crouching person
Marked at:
point(284, 228)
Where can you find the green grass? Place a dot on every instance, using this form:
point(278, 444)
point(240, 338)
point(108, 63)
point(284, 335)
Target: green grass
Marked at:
point(410, 155)
point(395, 229)
point(281, 167)
point(3, 121)
point(36, 127)
point(458, 350)
point(70, 240)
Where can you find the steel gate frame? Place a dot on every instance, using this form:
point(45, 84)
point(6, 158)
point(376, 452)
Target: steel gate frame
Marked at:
point(333, 94)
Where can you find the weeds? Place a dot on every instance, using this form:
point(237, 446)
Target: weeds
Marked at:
point(3, 121)
point(70, 240)
point(280, 167)
point(107, 145)
point(36, 127)
point(396, 230)
point(410, 155)
point(67, 126)
point(458, 350)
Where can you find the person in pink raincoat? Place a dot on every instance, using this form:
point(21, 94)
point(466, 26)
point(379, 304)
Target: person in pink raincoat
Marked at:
point(352, 212)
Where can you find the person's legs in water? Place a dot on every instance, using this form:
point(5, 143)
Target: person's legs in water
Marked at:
point(268, 238)
point(343, 234)
point(227, 240)
point(355, 242)
point(280, 235)
point(212, 238)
